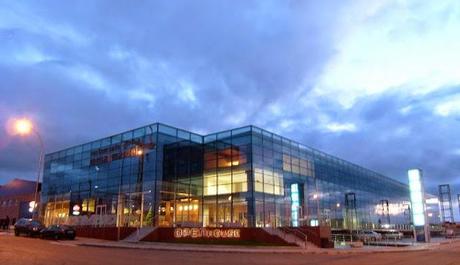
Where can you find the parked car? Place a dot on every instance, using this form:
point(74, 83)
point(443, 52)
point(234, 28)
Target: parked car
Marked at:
point(392, 234)
point(28, 227)
point(369, 235)
point(450, 233)
point(58, 232)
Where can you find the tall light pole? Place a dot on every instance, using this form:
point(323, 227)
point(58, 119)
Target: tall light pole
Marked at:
point(138, 151)
point(25, 127)
point(337, 206)
point(315, 197)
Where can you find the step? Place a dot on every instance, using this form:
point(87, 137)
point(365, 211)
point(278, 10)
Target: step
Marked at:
point(290, 238)
point(139, 234)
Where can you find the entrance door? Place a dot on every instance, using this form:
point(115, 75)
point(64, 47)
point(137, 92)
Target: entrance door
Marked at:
point(100, 213)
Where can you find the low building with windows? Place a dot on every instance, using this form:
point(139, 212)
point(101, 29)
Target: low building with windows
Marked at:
point(15, 200)
point(162, 176)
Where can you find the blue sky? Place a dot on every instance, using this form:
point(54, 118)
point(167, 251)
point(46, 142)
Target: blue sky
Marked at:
point(374, 82)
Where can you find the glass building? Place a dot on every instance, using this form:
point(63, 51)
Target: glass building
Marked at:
point(159, 175)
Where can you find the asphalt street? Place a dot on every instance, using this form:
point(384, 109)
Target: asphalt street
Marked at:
point(32, 251)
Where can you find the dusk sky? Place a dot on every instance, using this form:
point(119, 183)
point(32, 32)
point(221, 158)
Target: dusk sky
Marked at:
point(374, 82)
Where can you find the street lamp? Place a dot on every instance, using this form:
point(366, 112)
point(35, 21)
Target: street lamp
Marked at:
point(138, 151)
point(317, 222)
point(24, 127)
point(337, 206)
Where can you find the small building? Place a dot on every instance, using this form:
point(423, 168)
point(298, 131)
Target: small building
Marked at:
point(15, 197)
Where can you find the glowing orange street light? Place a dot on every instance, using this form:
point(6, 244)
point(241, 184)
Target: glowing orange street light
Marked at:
point(23, 126)
point(139, 152)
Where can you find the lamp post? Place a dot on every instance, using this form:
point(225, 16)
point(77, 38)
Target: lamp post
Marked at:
point(337, 206)
point(318, 213)
point(25, 127)
point(139, 152)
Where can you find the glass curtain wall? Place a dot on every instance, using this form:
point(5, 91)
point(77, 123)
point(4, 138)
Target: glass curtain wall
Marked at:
point(178, 181)
point(227, 168)
point(247, 177)
point(329, 190)
point(104, 182)
point(278, 167)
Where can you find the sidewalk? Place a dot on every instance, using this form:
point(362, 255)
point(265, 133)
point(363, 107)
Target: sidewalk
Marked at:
point(253, 249)
point(6, 232)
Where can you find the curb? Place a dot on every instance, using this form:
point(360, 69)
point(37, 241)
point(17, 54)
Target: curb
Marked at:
point(266, 251)
point(449, 242)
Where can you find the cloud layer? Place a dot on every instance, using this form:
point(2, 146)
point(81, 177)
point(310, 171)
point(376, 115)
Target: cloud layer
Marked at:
point(375, 83)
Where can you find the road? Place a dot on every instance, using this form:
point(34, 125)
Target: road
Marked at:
point(21, 251)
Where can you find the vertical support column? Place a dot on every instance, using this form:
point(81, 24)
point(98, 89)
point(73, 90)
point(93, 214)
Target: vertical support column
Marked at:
point(295, 204)
point(417, 197)
point(251, 183)
point(157, 183)
point(445, 200)
point(458, 201)
point(350, 210)
point(385, 211)
point(251, 199)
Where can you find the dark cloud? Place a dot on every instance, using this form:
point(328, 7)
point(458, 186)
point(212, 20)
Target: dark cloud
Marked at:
point(391, 140)
point(85, 70)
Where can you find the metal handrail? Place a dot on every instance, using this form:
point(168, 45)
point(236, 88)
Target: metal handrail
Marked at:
point(287, 235)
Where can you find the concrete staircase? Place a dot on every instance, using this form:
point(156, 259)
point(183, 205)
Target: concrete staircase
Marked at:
point(139, 234)
point(290, 238)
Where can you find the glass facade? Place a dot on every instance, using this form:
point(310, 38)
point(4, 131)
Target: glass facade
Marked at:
point(159, 175)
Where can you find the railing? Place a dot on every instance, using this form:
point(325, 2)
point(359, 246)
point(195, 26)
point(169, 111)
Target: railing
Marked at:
point(288, 237)
point(312, 234)
point(346, 239)
point(341, 239)
point(300, 234)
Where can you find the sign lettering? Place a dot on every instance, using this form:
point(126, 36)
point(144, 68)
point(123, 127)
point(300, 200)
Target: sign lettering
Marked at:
point(117, 151)
point(206, 233)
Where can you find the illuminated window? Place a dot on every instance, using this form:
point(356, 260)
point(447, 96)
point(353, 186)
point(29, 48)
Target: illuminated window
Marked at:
point(224, 178)
point(56, 212)
point(269, 189)
point(225, 183)
point(297, 165)
point(279, 190)
point(89, 205)
point(314, 222)
point(240, 187)
point(240, 182)
point(269, 184)
point(259, 180)
point(224, 189)
point(286, 163)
